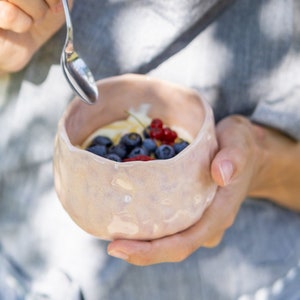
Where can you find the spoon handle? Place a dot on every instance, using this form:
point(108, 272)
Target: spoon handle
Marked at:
point(68, 20)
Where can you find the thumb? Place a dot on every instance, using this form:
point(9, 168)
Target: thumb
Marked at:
point(233, 138)
point(222, 169)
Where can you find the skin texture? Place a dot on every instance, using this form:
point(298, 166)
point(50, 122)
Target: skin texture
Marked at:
point(247, 164)
point(24, 27)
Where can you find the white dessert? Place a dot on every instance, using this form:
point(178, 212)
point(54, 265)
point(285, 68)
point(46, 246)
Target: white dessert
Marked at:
point(136, 122)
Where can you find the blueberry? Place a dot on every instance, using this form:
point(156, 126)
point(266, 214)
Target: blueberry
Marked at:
point(137, 151)
point(146, 132)
point(118, 149)
point(164, 152)
point(178, 147)
point(114, 157)
point(97, 149)
point(131, 140)
point(149, 144)
point(102, 140)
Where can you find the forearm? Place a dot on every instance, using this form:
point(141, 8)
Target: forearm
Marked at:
point(278, 175)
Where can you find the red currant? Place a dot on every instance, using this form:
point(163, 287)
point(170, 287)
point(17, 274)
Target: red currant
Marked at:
point(157, 133)
point(156, 142)
point(169, 135)
point(156, 123)
point(138, 157)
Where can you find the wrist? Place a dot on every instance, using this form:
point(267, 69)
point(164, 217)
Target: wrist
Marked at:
point(278, 170)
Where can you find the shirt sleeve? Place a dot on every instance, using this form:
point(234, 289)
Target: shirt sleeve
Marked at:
point(282, 113)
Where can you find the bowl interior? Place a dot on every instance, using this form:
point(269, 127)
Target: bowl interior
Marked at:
point(175, 105)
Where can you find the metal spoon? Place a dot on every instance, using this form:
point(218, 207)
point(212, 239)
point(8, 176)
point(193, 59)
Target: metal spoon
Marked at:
point(75, 69)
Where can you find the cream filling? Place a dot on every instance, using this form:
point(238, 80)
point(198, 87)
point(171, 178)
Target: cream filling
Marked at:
point(135, 123)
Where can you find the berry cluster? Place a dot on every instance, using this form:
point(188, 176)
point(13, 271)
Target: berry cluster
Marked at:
point(156, 142)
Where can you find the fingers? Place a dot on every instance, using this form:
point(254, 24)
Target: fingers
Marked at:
point(207, 232)
point(214, 241)
point(13, 18)
point(19, 15)
point(36, 9)
point(143, 253)
point(235, 137)
point(53, 3)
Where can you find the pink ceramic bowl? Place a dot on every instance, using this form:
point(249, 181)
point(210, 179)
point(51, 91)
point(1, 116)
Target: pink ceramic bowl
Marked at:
point(135, 200)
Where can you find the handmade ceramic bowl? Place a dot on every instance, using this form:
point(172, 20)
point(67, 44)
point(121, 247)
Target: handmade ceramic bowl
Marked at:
point(140, 199)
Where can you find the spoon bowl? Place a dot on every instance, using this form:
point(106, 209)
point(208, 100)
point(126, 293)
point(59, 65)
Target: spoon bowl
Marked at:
point(75, 69)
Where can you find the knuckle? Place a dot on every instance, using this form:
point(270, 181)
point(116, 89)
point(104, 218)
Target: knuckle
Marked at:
point(209, 244)
point(9, 13)
point(185, 251)
point(240, 120)
point(229, 221)
point(52, 3)
point(226, 219)
point(13, 19)
point(40, 15)
point(181, 256)
point(213, 242)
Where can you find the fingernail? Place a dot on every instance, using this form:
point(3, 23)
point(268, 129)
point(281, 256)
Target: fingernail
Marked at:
point(226, 169)
point(118, 254)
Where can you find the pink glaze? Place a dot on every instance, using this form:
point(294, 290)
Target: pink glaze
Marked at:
point(135, 200)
